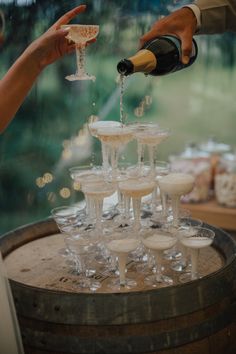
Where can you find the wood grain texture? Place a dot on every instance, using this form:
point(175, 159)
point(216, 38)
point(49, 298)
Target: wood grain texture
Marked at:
point(214, 214)
point(57, 317)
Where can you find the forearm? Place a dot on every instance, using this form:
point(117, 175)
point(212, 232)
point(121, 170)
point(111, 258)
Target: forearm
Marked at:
point(20, 78)
point(217, 16)
point(15, 86)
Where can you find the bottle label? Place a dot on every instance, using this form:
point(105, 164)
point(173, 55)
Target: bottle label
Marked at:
point(175, 40)
point(177, 43)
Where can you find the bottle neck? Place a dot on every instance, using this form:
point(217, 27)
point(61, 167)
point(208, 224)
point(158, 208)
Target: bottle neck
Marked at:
point(143, 61)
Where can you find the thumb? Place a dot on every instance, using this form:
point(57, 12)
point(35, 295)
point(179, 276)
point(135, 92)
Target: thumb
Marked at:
point(186, 47)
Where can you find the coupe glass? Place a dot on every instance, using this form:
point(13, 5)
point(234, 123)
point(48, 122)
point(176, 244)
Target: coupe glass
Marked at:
point(183, 215)
point(186, 228)
point(83, 252)
point(149, 137)
point(67, 219)
point(93, 128)
point(157, 241)
point(84, 175)
point(200, 237)
point(80, 35)
point(159, 210)
point(139, 129)
point(96, 192)
point(120, 244)
point(136, 188)
point(176, 185)
point(115, 138)
point(122, 208)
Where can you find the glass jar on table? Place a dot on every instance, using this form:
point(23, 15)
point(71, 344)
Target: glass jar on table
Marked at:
point(225, 181)
point(215, 149)
point(197, 163)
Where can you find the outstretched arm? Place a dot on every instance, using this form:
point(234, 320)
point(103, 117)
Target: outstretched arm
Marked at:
point(20, 78)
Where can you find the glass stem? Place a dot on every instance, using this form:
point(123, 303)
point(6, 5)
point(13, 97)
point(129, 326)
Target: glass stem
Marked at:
point(136, 208)
point(140, 157)
point(112, 263)
point(121, 202)
point(80, 59)
point(158, 255)
point(105, 157)
point(89, 207)
point(98, 210)
point(175, 209)
point(126, 207)
point(151, 158)
point(76, 262)
point(114, 161)
point(194, 262)
point(122, 265)
point(163, 197)
point(82, 264)
point(183, 251)
point(154, 200)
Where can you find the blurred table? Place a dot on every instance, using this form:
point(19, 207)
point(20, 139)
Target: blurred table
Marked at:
point(214, 214)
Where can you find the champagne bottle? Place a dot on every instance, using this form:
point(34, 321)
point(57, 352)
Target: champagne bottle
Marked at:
point(159, 56)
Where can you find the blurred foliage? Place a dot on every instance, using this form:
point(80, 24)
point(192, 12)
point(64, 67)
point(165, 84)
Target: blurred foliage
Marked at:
point(49, 135)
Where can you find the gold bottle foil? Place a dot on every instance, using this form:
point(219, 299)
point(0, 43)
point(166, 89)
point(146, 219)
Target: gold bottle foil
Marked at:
point(144, 61)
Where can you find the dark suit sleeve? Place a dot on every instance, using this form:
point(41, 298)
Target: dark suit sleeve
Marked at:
point(217, 16)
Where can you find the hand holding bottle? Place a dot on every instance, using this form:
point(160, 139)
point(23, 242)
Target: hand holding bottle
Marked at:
point(181, 23)
point(158, 56)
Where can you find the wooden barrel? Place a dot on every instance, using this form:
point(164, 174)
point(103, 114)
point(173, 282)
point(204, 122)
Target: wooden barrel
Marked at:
point(55, 317)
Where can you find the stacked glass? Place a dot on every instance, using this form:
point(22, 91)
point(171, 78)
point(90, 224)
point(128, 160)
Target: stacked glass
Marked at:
point(104, 240)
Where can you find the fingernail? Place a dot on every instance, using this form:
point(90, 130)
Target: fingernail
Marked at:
point(80, 7)
point(65, 30)
point(185, 59)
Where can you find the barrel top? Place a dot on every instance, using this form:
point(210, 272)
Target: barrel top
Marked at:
point(39, 264)
point(42, 282)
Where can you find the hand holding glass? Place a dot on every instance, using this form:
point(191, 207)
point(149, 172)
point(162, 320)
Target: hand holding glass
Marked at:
point(80, 35)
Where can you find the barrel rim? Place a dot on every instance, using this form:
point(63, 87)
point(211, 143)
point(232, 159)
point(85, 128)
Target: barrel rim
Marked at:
point(50, 221)
point(168, 302)
point(133, 292)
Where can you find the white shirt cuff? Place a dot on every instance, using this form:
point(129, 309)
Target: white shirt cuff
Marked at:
point(195, 9)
